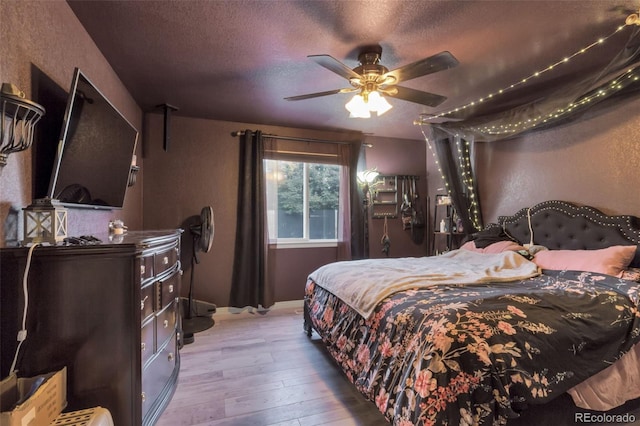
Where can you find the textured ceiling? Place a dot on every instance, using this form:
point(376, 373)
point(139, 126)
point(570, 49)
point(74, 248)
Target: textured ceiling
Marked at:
point(236, 60)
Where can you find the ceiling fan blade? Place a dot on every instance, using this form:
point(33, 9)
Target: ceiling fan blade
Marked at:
point(332, 64)
point(417, 96)
point(319, 94)
point(441, 61)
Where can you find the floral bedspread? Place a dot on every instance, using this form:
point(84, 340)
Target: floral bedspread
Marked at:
point(479, 354)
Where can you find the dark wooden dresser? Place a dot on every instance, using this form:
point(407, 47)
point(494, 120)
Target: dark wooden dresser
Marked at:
point(109, 312)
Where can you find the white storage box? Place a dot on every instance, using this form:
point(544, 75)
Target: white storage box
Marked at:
point(96, 416)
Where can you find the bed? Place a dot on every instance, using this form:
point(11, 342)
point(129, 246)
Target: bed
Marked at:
point(556, 314)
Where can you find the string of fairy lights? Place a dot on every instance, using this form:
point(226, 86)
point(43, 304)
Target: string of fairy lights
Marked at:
point(617, 84)
point(629, 76)
point(463, 145)
point(464, 159)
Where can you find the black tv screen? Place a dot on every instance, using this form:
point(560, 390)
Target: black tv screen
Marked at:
point(95, 151)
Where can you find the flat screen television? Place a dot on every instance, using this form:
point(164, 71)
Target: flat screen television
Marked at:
point(95, 150)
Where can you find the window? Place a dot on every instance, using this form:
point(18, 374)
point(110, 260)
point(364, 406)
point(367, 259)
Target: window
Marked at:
point(302, 202)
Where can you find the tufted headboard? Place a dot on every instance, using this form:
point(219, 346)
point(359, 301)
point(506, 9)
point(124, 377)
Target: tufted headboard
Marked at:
point(561, 225)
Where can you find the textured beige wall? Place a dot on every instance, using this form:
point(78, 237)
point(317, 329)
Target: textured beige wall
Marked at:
point(398, 157)
point(592, 162)
point(44, 40)
point(201, 169)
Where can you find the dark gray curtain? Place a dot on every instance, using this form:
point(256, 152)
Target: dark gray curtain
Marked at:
point(250, 285)
point(454, 160)
point(357, 210)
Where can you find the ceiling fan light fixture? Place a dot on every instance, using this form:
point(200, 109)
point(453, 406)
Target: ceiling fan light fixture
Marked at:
point(358, 107)
point(378, 103)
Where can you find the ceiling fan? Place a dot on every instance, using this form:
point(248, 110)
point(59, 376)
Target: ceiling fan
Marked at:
point(372, 78)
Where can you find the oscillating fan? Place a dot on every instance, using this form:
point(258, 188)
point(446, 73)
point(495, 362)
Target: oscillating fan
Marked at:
point(202, 234)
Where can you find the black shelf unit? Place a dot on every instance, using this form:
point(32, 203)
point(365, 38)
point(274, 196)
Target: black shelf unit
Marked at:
point(449, 239)
point(385, 199)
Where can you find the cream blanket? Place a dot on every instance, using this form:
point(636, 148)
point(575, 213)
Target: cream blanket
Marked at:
point(362, 284)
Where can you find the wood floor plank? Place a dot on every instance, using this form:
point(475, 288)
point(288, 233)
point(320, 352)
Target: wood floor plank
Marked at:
point(262, 370)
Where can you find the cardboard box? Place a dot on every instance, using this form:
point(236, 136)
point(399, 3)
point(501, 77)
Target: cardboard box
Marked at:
point(41, 408)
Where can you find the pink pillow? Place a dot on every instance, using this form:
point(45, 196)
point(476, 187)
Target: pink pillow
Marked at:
point(471, 246)
point(611, 260)
point(498, 247)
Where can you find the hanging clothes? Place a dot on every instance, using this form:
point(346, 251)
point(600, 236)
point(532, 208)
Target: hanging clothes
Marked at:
point(418, 219)
point(406, 208)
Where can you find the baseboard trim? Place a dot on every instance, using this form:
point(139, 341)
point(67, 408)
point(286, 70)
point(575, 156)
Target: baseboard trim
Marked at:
point(287, 304)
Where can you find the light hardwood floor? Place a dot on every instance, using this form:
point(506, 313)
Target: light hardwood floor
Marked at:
point(262, 370)
point(259, 370)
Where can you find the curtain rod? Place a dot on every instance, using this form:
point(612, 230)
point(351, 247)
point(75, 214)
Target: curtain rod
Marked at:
point(314, 154)
point(292, 138)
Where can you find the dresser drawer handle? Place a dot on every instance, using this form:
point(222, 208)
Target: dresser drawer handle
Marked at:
point(170, 288)
point(143, 269)
point(166, 323)
point(142, 303)
point(170, 357)
point(165, 260)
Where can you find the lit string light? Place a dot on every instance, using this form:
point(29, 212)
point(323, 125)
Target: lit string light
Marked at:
point(629, 77)
point(464, 160)
point(532, 122)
